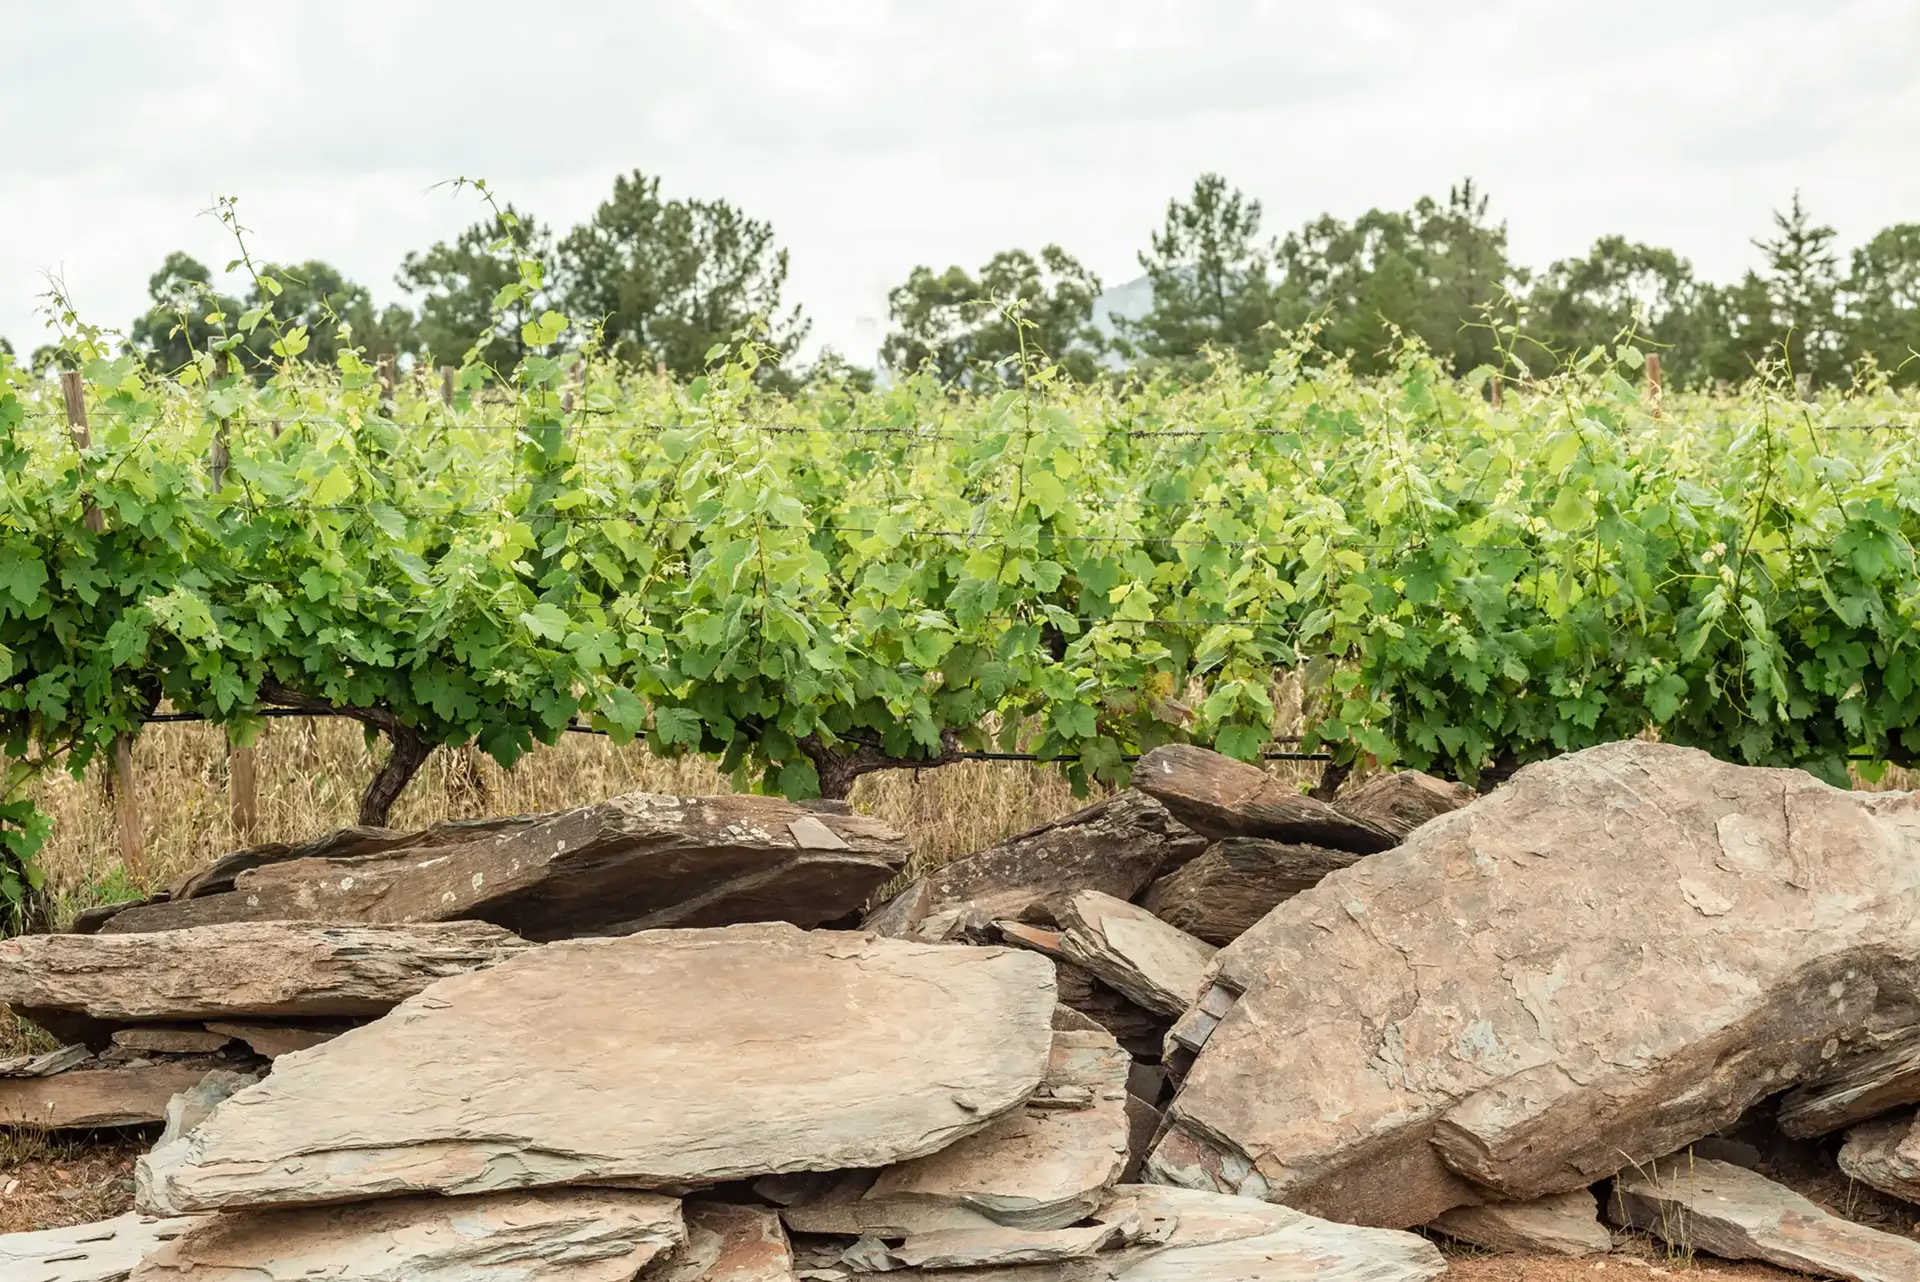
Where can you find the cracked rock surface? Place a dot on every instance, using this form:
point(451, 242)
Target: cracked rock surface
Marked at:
point(1592, 967)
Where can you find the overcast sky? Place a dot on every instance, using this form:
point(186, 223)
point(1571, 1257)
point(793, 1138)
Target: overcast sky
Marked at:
point(877, 134)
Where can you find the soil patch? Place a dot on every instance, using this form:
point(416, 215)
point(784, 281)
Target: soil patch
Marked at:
point(48, 1181)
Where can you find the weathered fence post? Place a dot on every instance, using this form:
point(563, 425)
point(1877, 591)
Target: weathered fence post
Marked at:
point(446, 384)
point(240, 786)
point(126, 801)
point(243, 791)
point(74, 392)
point(126, 808)
point(1653, 382)
point(218, 457)
point(387, 379)
point(1493, 387)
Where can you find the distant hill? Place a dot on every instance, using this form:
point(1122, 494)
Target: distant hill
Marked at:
point(1130, 301)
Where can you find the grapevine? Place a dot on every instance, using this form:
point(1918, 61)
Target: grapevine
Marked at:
point(811, 586)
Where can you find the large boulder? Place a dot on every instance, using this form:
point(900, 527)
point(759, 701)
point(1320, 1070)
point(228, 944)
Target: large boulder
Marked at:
point(1590, 968)
point(1219, 797)
point(662, 1059)
point(636, 862)
point(548, 1235)
point(280, 968)
point(1116, 847)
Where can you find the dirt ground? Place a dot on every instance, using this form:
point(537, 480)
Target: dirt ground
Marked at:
point(1609, 1268)
point(48, 1181)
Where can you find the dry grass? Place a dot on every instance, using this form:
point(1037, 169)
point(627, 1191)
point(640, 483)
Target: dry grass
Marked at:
point(310, 773)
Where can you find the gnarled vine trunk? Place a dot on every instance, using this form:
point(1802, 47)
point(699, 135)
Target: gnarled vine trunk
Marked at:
point(409, 749)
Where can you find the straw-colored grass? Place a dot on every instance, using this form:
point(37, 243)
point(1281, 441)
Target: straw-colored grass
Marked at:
point(309, 774)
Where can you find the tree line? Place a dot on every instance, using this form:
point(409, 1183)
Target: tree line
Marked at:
point(666, 279)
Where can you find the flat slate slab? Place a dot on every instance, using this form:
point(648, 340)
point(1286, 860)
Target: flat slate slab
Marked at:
point(1169, 1235)
point(1219, 896)
point(1402, 800)
point(1885, 1154)
point(1309, 1251)
point(1160, 967)
point(1219, 797)
point(666, 1058)
point(273, 1040)
point(1044, 1166)
point(636, 862)
point(278, 968)
point(1116, 847)
point(728, 1243)
point(1558, 1224)
point(987, 1248)
point(1698, 1204)
point(84, 1098)
point(105, 1251)
point(1611, 956)
point(559, 1235)
point(1884, 1077)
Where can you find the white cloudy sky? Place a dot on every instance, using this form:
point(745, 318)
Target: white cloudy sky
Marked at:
point(877, 134)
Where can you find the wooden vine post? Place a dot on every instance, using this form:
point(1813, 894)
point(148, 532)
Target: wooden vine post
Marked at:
point(126, 801)
point(446, 384)
point(1653, 382)
point(218, 457)
point(74, 392)
point(1493, 390)
point(242, 792)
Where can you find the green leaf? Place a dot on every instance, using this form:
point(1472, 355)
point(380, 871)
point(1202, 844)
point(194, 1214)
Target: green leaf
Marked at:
point(334, 487)
point(1571, 510)
point(291, 343)
point(677, 726)
point(1243, 743)
point(625, 715)
point(23, 576)
point(186, 615)
point(972, 600)
point(799, 780)
point(547, 621)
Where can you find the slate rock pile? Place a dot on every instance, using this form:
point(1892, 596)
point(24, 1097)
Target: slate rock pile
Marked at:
point(1206, 1029)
